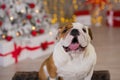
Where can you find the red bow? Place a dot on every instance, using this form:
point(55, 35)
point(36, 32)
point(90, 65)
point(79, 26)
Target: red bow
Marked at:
point(16, 52)
point(44, 45)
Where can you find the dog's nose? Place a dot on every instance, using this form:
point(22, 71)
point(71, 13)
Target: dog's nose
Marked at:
point(75, 32)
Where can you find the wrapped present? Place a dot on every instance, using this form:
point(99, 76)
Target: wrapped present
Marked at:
point(83, 17)
point(6, 46)
point(11, 53)
point(26, 47)
point(113, 18)
point(6, 60)
point(44, 43)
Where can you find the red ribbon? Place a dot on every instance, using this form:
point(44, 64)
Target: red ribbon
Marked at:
point(16, 52)
point(17, 49)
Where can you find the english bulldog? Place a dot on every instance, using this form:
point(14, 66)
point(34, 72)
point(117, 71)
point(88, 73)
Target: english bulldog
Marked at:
point(74, 56)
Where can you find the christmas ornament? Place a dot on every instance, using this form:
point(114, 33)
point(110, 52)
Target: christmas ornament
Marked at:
point(9, 38)
point(32, 5)
point(41, 31)
point(1, 23)
point(38, 21)
point(3, 6)
point(23, 18)
point(29, 16)
point(34, 33)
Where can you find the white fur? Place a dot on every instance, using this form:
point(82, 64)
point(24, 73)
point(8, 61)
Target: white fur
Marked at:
point(52, 79)
point(75, 69)
point(83, 38)
point(81, 65)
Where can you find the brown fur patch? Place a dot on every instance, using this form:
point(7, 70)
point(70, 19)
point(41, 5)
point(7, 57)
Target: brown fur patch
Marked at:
point(90, 33)
point(64, 30)
point(50, 68)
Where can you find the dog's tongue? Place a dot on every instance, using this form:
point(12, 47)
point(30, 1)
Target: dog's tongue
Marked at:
point(73, 46)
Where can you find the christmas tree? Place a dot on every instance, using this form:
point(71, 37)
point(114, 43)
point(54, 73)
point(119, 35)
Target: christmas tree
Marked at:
point(22, 18)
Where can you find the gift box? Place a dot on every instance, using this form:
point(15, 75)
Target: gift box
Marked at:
point(26, 47)
point(5, 48)
point(83, 17)
point(10, 53)
point(42, 42)
point(113, 18)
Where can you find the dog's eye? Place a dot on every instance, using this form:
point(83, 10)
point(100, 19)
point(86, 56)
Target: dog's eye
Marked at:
point(84, 30)
point(64, 31)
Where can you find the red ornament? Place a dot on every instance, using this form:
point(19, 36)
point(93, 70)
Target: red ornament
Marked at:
point(44, 45)
point(29, 16)
point(34, 33)
point(38, 21)
point(1, 23)
point(31, 5)
point(41, 31)
point(3, 6)
point(45, 16)
point(9, 38)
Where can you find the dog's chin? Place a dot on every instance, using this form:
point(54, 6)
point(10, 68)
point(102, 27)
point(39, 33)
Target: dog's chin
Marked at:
point(74, 46)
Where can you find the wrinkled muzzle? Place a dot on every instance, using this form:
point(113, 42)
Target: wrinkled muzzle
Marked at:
point(74, 40)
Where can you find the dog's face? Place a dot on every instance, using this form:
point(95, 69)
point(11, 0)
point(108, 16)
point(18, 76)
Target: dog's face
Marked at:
point(74, 37)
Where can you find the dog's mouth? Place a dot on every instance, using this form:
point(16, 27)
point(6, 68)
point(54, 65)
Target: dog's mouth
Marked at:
point(74, 46)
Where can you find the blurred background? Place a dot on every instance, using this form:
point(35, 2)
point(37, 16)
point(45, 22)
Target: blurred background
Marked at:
point(28, 31)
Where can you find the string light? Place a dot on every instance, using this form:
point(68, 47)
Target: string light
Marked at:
point(33, 28)
point(50, 33)
point(3, 36)
point(11, 18)
point(37, 11)
point(22, 11)
point(59, 11)
point(62, 19)
point(17, 33)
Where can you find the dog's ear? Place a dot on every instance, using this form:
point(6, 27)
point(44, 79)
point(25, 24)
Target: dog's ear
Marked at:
point(90, 33)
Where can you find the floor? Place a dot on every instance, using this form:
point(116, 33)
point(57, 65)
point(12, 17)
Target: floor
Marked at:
point(107, 43)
